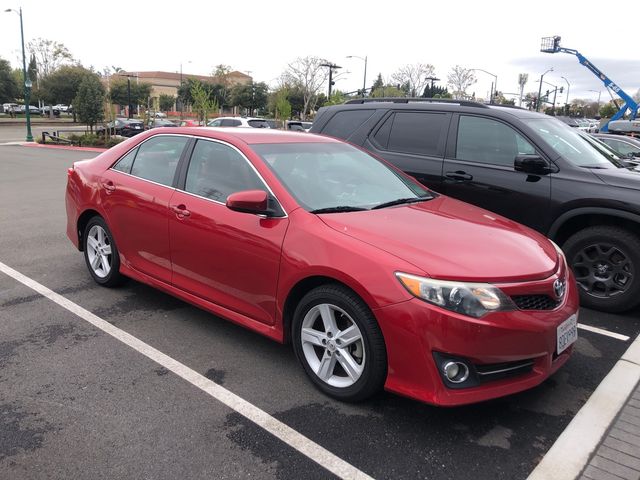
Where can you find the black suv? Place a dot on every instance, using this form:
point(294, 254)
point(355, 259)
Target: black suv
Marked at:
point(524, 165)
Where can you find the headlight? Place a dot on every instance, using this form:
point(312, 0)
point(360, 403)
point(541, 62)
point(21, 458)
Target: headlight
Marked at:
point(473, 299)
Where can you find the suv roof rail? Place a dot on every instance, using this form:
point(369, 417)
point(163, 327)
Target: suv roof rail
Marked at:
point(505, 105)
point(462, 103)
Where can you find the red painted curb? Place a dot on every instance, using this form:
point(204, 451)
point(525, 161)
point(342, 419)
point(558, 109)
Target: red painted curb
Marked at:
point(64, 147)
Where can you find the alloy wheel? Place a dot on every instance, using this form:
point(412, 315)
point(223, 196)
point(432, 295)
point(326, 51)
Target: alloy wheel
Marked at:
point(603, 270)
point(99, 251)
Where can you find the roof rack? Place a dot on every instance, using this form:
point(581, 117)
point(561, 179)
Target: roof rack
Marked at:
point(462, 103)
point(507, 106)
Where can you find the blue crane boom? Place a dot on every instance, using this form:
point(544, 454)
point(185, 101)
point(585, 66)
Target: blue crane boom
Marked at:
point(552, 45)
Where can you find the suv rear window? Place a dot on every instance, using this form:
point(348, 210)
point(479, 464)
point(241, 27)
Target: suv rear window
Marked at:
point(344, 123)
point(258, 124)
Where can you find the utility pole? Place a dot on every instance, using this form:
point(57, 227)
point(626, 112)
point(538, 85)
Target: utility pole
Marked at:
point(433, 80)
point(331, 67)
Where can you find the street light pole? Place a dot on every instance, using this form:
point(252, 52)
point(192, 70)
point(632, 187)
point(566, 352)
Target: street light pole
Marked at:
point(567, 100)
point(27, 80)
point(364, 82)
point(493, 85)
point(540, 88)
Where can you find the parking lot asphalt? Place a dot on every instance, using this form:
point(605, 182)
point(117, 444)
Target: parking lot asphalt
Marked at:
point(77, 403)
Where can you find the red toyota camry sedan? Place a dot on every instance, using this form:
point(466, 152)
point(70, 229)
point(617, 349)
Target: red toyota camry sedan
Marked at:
point(375, 280)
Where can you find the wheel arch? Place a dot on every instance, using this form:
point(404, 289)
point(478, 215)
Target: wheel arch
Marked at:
point(83, 219)
point(304, 286)
point(575, 220)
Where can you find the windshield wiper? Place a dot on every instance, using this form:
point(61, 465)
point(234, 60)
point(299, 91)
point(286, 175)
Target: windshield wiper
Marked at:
point(401, 201)
point(339, 208)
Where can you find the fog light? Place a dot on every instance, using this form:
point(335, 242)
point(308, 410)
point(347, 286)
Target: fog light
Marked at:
point(455, 372)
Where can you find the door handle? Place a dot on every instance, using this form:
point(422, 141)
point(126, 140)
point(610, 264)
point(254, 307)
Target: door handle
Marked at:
point(180, 210)
point(109, 187)
point(459, 175)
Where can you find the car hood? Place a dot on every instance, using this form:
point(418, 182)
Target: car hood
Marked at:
point(452, 240)
point(620, 177)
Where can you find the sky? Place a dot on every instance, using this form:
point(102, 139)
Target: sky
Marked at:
point(262, 37)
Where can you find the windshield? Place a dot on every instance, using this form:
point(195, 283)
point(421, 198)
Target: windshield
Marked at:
point(570, 144)
point(337, 176)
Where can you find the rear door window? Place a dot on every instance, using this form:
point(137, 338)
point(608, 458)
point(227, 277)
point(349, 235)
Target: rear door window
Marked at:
point(125, 163)
point(158, 158)
point(343, 124)
point(415, 132)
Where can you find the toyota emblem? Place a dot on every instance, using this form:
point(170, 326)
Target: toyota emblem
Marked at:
point(559, 287)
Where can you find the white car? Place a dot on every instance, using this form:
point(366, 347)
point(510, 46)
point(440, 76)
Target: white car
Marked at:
point(10, 107)
point(245, 122)
point(61, 107)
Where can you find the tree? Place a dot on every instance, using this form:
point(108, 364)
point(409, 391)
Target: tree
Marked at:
point(140, 92)
point(459, 79)
point(88, 104)
point(414, 77)
point(62, 85)
point(49, 55)
point(9, 89)
point(282, 106)
point(608, 110)
point(309, 75)
point(436, 92)
point(388, 91)
point(252, 96)
point(379, 83)
point(203, 102)
point(166, 102)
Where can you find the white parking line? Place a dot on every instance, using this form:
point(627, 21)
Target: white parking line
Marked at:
point(291, 437)
point(601, 331)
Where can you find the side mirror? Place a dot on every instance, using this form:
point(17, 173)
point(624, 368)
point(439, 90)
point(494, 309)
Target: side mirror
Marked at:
point(533, 164)
point(249, 201)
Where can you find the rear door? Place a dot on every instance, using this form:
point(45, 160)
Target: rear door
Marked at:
point(413, 141)
point(479, 169)
point(135, 194)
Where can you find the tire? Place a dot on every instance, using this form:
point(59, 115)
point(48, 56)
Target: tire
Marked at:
point(101, 253)
point(324, 321)
point(606, 263)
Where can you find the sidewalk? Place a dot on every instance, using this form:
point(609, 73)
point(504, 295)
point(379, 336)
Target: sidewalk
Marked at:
point(602, 442)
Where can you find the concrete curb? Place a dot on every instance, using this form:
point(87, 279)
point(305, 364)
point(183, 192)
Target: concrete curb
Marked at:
point(571, 452)
point(63, 147)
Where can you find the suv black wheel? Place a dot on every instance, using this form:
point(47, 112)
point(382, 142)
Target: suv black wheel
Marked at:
point(339, 343)
point(606, 263)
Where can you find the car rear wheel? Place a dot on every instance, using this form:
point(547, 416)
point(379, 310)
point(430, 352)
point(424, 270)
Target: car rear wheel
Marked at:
point(101, 254)
point(606, 263)
point(339, 343)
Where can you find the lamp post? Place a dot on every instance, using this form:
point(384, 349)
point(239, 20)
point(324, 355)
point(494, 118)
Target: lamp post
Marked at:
point(567, 100)
point(494, 84)
point(27, 80)
point(540, 88)
point(599, 92)
point(364, 81)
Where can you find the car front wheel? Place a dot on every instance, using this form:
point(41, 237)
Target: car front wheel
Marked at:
point(339, 343)
point(101, 253)
point(606, 263)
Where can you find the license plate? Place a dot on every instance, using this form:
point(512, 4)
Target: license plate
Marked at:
point(567, 333)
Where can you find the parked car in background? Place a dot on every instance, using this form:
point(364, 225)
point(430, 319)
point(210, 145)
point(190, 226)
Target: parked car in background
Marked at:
point(190, 123)
point(10, 108)
point(524, 165)
point(122, 126)
point(61, 107)
point(245, 122)
point(625, 126)
point(160, 122)
point(377, 281)
point(46, 110)
point(33, 110)
point(624, 146)
point(155, 114)
point(298, 126)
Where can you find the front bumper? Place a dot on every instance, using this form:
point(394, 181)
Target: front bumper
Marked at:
point(414, 330)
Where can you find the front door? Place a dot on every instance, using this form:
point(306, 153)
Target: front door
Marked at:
point(479, 169)
point(226, 257)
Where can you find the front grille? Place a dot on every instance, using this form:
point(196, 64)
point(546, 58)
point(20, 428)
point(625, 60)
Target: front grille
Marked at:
point(534, 302)
point(497, 371)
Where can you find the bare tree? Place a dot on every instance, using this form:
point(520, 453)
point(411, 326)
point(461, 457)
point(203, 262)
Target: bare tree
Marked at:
point(523, 78)
point(49, 55)
point(459, 79)
point(308, 74)
point(414, 76)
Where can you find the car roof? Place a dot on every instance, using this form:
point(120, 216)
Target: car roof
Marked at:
point(262, 135)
